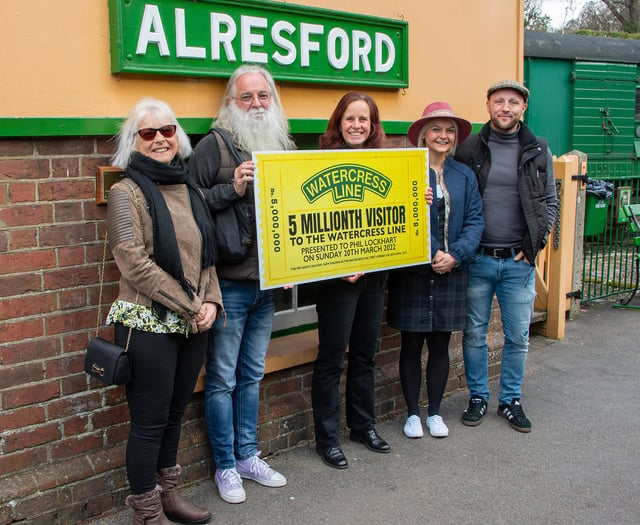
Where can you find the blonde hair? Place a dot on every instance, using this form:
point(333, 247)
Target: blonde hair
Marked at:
point(421, 136)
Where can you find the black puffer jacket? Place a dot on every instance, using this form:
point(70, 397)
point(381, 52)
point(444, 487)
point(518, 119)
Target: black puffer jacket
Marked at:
point(538, 200)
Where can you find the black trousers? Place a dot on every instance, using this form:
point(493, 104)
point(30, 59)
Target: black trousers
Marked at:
point(165, 369)
point(348, 314)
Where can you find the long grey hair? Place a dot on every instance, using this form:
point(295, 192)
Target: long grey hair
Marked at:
point(268, 133)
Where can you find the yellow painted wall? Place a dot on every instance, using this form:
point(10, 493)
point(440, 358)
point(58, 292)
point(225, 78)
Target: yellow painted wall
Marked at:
point(55, 61)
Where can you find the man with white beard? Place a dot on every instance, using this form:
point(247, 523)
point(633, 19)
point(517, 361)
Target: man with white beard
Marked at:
point(251, 114)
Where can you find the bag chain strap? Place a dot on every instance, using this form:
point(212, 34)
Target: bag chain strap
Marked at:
point(104, 259)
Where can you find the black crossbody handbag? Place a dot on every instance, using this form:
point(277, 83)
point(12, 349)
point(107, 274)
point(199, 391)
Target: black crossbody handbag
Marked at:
point(106, 361)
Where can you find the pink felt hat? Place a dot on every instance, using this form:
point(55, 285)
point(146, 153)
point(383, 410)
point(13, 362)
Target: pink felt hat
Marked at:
point(438, 110)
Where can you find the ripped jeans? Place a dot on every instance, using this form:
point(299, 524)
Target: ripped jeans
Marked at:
point(513, 283)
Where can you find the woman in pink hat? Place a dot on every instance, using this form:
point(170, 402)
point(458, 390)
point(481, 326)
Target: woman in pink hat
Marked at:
point(428, 302)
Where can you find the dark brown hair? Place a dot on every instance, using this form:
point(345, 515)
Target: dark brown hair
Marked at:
point(332, 138)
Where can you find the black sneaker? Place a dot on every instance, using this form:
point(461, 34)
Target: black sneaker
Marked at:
point(514, 414)
point(477, 408)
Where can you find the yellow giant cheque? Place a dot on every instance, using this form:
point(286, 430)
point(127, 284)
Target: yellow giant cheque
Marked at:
point(332, 213)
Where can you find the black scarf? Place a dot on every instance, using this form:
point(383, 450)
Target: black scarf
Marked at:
point(147, 173)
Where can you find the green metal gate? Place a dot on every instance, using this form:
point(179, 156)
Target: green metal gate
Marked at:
point(603, 126)
point(608, 267)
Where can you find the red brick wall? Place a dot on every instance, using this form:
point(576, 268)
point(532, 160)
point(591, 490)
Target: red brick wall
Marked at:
point(63, 437)
point(62, 441)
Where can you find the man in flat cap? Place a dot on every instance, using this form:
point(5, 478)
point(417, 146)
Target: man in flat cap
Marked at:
point(515, 177)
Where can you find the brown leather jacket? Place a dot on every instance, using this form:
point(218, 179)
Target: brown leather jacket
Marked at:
point(130, 238)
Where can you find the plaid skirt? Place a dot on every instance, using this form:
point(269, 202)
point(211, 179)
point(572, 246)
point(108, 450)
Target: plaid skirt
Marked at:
point(421, 300)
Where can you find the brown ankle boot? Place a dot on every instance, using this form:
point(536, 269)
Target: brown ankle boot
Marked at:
point(174, 505)
point(148, 508)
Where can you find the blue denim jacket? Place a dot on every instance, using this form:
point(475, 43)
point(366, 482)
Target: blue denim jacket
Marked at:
point(466, 221)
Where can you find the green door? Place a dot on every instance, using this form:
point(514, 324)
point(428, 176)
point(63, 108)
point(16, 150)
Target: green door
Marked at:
point(604, 109)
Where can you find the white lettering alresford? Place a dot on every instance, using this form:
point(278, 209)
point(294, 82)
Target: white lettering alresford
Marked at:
point(251, 39)
point(152, 32)
point(282, 42)
point(182, 49)
point(220, 37)
point(340, 47)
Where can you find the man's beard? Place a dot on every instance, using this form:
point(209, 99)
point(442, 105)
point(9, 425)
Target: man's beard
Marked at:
point(259, 129)
point(510, 127)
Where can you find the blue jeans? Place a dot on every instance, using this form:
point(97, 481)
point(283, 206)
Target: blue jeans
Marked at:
point(513, 282)
point(235, 367)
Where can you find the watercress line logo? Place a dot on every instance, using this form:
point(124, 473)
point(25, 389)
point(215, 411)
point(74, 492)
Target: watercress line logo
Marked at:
point(346, 182)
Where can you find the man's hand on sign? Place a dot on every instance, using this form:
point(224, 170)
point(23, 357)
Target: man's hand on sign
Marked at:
point(242, 175)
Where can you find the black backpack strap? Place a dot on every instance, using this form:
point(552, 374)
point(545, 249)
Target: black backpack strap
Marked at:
point(229, 143)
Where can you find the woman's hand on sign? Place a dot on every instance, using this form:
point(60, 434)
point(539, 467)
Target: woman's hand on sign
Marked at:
point(353, 278)
point(428, 196)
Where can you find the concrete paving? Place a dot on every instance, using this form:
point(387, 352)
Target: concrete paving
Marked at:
point(579, 465)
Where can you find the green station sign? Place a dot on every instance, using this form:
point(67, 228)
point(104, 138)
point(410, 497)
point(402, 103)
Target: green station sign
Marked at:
point(211, 38)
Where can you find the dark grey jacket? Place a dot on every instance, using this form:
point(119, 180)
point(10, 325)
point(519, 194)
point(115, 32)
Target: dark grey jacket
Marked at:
point(211, 165)
point(535, 181)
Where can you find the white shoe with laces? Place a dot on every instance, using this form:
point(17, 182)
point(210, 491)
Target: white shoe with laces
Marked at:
point(436, 427)
point(259, 471)
point(413, 427)
point(229, 485)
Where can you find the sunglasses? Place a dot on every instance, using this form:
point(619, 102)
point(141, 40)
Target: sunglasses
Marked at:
point(150, 133)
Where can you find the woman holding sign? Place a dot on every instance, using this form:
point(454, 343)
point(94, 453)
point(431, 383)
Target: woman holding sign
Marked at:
point(428, 302)
point(349, 313)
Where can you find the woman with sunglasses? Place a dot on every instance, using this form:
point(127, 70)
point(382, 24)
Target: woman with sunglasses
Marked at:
point(161, 235)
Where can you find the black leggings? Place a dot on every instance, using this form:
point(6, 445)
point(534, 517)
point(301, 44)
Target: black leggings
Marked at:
point(411, 368)
point(164, 369)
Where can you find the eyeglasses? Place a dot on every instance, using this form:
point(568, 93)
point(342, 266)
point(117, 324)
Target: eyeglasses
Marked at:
point(150, 133)
point(247, 98)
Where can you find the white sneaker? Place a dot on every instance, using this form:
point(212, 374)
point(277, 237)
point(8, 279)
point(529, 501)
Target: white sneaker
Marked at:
point(259, 471)
point(229, 485)
point(413, 427)
point(436, 427)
